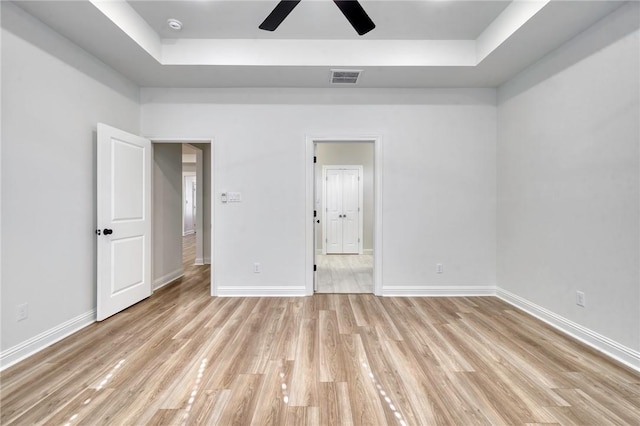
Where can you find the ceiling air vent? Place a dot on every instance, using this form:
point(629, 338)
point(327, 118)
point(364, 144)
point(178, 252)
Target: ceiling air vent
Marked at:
point(345, 76)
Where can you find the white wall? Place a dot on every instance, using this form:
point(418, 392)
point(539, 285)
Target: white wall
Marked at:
point(438, 169)
point(568, 184)
point(53, 94)
point(345, 153)
point(189, 167)
point(167, 213)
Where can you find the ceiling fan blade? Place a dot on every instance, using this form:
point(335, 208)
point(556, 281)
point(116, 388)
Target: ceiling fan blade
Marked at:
point(277, 15)
point(356, 15)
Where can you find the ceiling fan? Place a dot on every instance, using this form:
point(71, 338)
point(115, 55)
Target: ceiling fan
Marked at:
point(351, 9)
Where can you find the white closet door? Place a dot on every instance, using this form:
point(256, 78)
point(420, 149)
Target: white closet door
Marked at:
point(350, 213)
point(342, 201)
point(333, 212)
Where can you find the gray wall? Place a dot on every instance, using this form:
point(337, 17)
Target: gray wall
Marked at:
point(167, 212)
point(53, 95)
point(568, 180)
point(345, 153)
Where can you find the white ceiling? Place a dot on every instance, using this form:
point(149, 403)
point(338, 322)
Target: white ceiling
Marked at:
point(418, 43)
point(316, 19)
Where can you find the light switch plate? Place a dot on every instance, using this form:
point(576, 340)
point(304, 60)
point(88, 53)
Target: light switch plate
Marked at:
point(234, 197)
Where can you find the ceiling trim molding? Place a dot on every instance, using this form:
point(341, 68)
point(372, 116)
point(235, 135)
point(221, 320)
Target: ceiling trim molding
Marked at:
point(319, 52)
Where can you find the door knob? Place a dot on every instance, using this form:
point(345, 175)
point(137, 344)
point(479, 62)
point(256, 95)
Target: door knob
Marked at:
point(107, 231)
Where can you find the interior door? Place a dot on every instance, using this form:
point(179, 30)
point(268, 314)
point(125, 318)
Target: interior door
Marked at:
point(194, 202)
point(123, 209)
point(342, 210)
point(333, 211)
point(350, 213)
point(189, 225)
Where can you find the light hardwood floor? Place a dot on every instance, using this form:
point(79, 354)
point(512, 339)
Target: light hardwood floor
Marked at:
point(182, 357)
point(348, 273)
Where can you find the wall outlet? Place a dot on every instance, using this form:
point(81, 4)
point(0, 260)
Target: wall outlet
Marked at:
point(23, 312)
point(580, 298)
point(257, 268)
point(439, 269)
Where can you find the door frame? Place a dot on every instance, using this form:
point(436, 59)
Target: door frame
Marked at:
point(360, 203)
point(310, 252)
point(214, 168)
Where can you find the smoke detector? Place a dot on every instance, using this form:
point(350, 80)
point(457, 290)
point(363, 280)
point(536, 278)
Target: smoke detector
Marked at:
point(345, 76)
point(174, 24)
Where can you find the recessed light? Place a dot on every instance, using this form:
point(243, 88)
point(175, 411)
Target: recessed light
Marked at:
point(174, 24)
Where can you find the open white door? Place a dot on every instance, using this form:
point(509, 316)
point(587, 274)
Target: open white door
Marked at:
point(124, 221)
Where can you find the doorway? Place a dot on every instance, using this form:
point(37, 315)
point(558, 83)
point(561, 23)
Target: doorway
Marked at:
point(185, 186)
point(137, 249)
point(190, 204)
point(344, 205)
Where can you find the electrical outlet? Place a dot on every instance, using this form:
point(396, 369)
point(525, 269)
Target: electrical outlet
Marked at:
point(257, 268)
point(580, 298)
point(23, 312)
point(439, 269)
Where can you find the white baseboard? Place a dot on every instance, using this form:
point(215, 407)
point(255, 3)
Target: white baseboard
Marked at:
point(262, 291)
point(199, 261)
point(185, 233)
point(615, 350)
point(438, 291)
point(29, 347)
point(167, 279)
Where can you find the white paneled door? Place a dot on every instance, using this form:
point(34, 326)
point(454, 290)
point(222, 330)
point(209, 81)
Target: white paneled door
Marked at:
point(124, 202)
point(343, 209)
point(189, 213)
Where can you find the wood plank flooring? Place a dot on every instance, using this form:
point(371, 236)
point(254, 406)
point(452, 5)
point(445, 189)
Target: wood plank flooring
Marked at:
point(349, 273)
point(182, 357)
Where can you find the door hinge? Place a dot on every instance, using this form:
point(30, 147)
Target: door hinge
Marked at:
point(315, 268)
point(315, 159)
point(315, 213)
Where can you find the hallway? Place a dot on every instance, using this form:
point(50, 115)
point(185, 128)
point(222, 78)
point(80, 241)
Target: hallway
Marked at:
point(349, 273)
